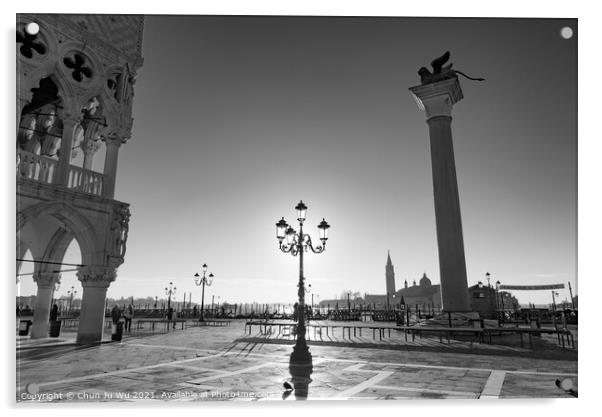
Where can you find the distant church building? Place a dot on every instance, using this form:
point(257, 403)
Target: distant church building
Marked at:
point(425, 296)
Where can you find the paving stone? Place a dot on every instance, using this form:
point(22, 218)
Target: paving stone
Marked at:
point(218, 364)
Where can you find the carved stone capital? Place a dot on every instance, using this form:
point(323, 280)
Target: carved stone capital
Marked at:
point(70, 120)
point(46, 279)
point(438, 99)
point(114, 140)
point(90, 146)
point(96, 276)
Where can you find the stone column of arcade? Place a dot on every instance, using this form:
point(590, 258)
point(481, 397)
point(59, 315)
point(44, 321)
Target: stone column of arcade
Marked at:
point(70, 123)
point(41, 312)
point(21, 103)
point(437, 100)
point(95, 282)
point(110, 169)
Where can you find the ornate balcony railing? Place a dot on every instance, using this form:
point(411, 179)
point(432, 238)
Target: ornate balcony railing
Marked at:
point(44, 169)
point(85, 180)
point(35, 167)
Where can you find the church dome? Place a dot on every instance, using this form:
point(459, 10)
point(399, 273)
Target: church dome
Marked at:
point(425, 281)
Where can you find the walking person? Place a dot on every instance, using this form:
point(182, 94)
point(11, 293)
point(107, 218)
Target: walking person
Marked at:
point(54, 313)
point(128, 315)
point(115, 314)
point(117, 330)
point(170, 317)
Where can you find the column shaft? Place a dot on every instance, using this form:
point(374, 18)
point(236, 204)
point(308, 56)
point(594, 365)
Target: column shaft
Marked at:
point(41, 312)
point(62, 172)
point(95, 280)
point(88, 159)
point(452, 265)
point(91, 319)
point(110, 168)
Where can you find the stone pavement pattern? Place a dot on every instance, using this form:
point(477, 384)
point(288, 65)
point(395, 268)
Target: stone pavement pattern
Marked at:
point(221, 364)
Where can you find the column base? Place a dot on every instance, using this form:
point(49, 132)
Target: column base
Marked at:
point(39, 330)
point(88, 338)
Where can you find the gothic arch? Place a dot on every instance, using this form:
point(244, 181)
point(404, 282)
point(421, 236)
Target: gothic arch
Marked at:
point(76, 225)
point(66, 91)
point(57, 246)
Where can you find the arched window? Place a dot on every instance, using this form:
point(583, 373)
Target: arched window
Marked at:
point(40, 129)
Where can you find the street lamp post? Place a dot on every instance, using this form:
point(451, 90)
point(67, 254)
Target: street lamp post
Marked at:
point(57, 286)
point(297, 243)
point(204, 280)
point(308, 291)
point(497, 294)
point(554, 293)
point(71, 294)
point(488, 276)
point(169, 292)
point(501, 295)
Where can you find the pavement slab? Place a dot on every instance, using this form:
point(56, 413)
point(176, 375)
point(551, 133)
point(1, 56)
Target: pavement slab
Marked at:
point(224, 364)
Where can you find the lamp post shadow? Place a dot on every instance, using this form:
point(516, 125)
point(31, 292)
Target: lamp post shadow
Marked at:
point(300, 368)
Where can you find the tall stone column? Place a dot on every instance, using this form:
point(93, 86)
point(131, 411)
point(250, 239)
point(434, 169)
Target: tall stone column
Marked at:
point(437, 100)
point(89, 148)
point(70, 124)
point(41, 312)
point(21, 103)
point(110, 169)
point(95, 281)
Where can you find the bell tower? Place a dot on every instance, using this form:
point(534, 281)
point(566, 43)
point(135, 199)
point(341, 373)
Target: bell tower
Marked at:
point(390, 276)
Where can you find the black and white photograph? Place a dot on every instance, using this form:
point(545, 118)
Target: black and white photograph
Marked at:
point(268, 208)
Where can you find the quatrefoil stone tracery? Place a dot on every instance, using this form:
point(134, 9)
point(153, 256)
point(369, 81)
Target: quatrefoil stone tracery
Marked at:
point(79, 67)
point(29, 43)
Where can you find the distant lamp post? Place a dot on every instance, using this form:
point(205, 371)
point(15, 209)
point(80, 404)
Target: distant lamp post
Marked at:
point(71, 293)
point(170, 292)
point(156, 301)
point(298, 244)
point(56, 287)
point(204, 280)
point(491, 301)
point(554, 293)
point(500, 295)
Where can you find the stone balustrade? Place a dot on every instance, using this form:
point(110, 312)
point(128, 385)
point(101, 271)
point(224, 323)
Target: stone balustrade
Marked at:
point(42, 168)
point(84, 180)
point(35, 167)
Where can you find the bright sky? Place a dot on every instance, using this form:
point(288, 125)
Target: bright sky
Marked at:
point(509, 228)
point(237, 118)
